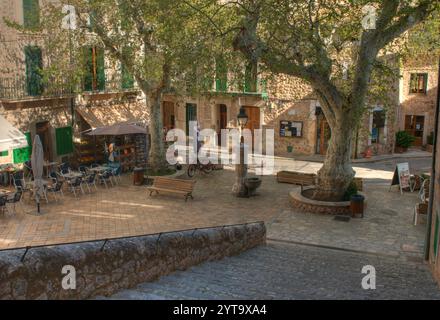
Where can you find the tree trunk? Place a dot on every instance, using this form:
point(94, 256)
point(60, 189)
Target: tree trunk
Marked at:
point(157, 157)
point(336, 173)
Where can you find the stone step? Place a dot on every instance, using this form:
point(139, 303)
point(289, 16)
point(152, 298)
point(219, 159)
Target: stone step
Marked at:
point(290, 271)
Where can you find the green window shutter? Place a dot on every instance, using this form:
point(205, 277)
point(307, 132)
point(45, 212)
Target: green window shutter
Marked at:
point(64, 140)
point(23, 154)
point(100, 69)
point(34, 64)
point(127, 78)
point(31, 13)
point(88, 66)
point(221, 75)
point(249, 83)
point(4, 153)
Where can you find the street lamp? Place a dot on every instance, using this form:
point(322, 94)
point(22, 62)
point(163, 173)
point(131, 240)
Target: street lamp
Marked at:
point(242, 118)
point(239, 188)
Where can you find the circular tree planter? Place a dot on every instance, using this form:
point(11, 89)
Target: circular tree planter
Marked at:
point(304, 204)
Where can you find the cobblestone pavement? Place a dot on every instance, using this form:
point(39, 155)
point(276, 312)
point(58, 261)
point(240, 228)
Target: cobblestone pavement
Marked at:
point(127, 210)
point(288, 271)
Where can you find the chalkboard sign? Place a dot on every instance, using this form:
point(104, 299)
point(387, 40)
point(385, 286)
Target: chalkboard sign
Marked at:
point(402, 176)
point(291, 129)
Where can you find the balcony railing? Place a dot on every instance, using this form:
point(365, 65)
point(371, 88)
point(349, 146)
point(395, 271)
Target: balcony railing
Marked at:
point(22, 88)
point(240, 87)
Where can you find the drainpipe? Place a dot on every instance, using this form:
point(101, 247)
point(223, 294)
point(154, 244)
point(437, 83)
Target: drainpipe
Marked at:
point(433, 173)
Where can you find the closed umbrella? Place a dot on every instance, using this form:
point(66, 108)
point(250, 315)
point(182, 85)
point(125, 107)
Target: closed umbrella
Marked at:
point(37, 160)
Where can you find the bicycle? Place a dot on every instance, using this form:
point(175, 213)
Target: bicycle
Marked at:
point(205, 168)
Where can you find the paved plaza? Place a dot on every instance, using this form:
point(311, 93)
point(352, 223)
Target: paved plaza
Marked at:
point(126, 210)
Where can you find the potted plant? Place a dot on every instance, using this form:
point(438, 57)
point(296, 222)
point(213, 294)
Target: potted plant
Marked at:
point(403, 141)
point(429, 146)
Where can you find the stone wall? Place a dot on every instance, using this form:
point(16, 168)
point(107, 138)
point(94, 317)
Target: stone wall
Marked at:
point(419, 104)
point(104, 268)
point(434, 259)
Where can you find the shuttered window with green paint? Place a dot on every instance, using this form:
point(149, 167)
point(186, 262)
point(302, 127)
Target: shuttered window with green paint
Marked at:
point(221, 75)
point(64, 140)
point(34, 65)
point(94, 77)
point(250, 80)
point(31, 14)
point(127, 78)
point(23, 154)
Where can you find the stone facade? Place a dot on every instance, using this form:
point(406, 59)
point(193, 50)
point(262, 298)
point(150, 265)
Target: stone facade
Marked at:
point(434, 248)
point(419, 104)
point(103, 268)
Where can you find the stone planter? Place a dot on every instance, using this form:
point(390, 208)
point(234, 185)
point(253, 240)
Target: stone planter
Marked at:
point(304, 204)
point(252, 184)
point(399, 149)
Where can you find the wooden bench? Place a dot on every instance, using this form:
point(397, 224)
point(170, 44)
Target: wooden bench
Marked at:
point(299, 178)
point(170, 185)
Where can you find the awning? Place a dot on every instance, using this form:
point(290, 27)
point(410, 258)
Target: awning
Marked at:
point(102, 116)
point(118, 129)
point(10, 137)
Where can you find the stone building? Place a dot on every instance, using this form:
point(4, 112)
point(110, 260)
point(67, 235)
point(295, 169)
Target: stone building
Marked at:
point(433, 239)
point(418, 94)
point(48, 107)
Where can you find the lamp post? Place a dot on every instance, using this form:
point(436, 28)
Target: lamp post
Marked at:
point(239, 188)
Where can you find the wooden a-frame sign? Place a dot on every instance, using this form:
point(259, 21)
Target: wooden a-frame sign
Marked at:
point(401, 176)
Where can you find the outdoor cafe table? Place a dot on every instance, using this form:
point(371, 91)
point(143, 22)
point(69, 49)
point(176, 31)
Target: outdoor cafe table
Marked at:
point(72, 175)
point(99, 169)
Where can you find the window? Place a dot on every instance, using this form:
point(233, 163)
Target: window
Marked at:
point(418, 83)
point(250, 79)
point(221, 75)
point(31, 14)
point(34, 64)
point(127, 78)
point(378, 127)
point(94, 78)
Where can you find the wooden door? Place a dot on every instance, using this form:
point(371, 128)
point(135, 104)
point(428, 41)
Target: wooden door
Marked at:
point(168, 116)
point(415, 125)
point(254, 118)
point(222, 121)
point(324, 135)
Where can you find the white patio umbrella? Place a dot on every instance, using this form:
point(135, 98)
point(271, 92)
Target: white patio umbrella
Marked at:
point(37, 160)
point(10, 137)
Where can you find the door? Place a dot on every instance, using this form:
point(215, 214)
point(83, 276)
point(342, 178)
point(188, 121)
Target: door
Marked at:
point(223, 121)
point(168, 115)
point(191, 115)
point(324, 134)
point(414, 125)
point(253, 120)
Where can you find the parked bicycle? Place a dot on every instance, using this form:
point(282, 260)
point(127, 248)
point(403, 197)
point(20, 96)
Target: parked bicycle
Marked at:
point(205, 168)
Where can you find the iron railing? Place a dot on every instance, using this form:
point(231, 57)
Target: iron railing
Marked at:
point(23, 88)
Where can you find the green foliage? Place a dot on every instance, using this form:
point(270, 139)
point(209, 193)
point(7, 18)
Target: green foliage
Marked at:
point(404, 139)
point(351, 191)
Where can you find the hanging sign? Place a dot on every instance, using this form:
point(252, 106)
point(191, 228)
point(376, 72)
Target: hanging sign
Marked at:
point(401, 176)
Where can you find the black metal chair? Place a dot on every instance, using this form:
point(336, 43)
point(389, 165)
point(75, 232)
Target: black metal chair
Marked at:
point(90, 180)
point(16, 198)
point(75, 184)
point(55, 188)
point(3, 202)
point(105, 177)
